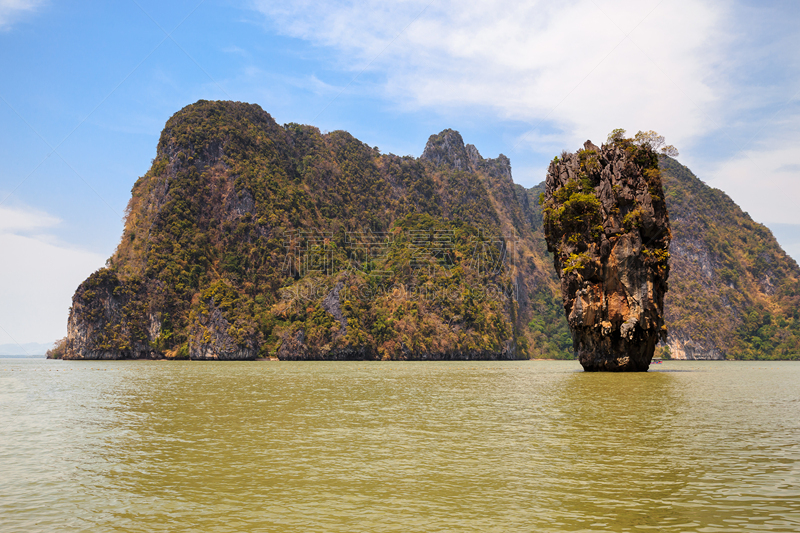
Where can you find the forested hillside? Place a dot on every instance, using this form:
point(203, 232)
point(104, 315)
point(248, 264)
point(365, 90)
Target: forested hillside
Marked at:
point(249, 239)
point(734, 293)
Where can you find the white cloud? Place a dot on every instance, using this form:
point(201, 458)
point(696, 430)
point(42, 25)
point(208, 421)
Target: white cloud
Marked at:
point(38, 276)
point(21, 219)
point(697, 71)
point(567, 63)
point(11, 10)
point(233, 49)
point(765, 180)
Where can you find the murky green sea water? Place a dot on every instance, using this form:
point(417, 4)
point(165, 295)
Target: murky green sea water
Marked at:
point(456, 446)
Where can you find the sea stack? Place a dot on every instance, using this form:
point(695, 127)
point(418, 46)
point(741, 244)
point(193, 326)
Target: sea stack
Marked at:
point(606, 225)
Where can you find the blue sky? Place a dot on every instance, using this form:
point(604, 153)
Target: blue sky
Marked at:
point(86, 88)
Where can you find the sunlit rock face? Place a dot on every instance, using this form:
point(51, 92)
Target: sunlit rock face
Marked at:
point(607, 227)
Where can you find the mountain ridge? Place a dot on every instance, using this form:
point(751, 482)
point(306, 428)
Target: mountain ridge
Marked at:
point(220, 231)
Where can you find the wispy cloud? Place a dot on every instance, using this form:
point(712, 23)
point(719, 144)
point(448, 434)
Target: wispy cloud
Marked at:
point(15, 219)
point(713, 77)
point(12, 10)
point(40, 273)
point(233, 49)
point(764, 179)
point(789, 168)
point(589, 65)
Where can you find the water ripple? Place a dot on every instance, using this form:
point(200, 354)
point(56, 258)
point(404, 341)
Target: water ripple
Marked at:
point(451, 446)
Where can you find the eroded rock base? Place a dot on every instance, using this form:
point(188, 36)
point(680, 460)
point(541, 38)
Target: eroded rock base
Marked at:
point(607, 354)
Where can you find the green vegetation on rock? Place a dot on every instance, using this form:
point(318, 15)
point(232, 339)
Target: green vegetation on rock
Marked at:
point(734, 293)
point(249, 239)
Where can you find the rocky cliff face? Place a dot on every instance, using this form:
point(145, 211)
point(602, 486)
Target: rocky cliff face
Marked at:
point(250, 239)
point(606, 225)
point(734, 293)
point(112, 319)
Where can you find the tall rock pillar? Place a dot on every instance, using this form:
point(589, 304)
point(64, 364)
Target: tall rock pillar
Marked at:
point(607, 227)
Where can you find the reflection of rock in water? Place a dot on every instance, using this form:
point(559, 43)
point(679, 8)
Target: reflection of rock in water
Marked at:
point(606, 224)
point(611, 457)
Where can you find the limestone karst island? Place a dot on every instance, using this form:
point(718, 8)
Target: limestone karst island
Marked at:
point(247, 239)
point(606, 225)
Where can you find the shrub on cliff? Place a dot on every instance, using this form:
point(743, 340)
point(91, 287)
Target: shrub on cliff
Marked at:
point(58, 350)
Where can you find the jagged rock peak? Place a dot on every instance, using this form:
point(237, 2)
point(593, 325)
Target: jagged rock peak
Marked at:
point(499, 167)
point(606, 224)
point(474, 156)
point(447, 149)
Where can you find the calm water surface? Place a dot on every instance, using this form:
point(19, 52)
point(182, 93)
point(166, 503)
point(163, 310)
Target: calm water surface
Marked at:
point(455, 446)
